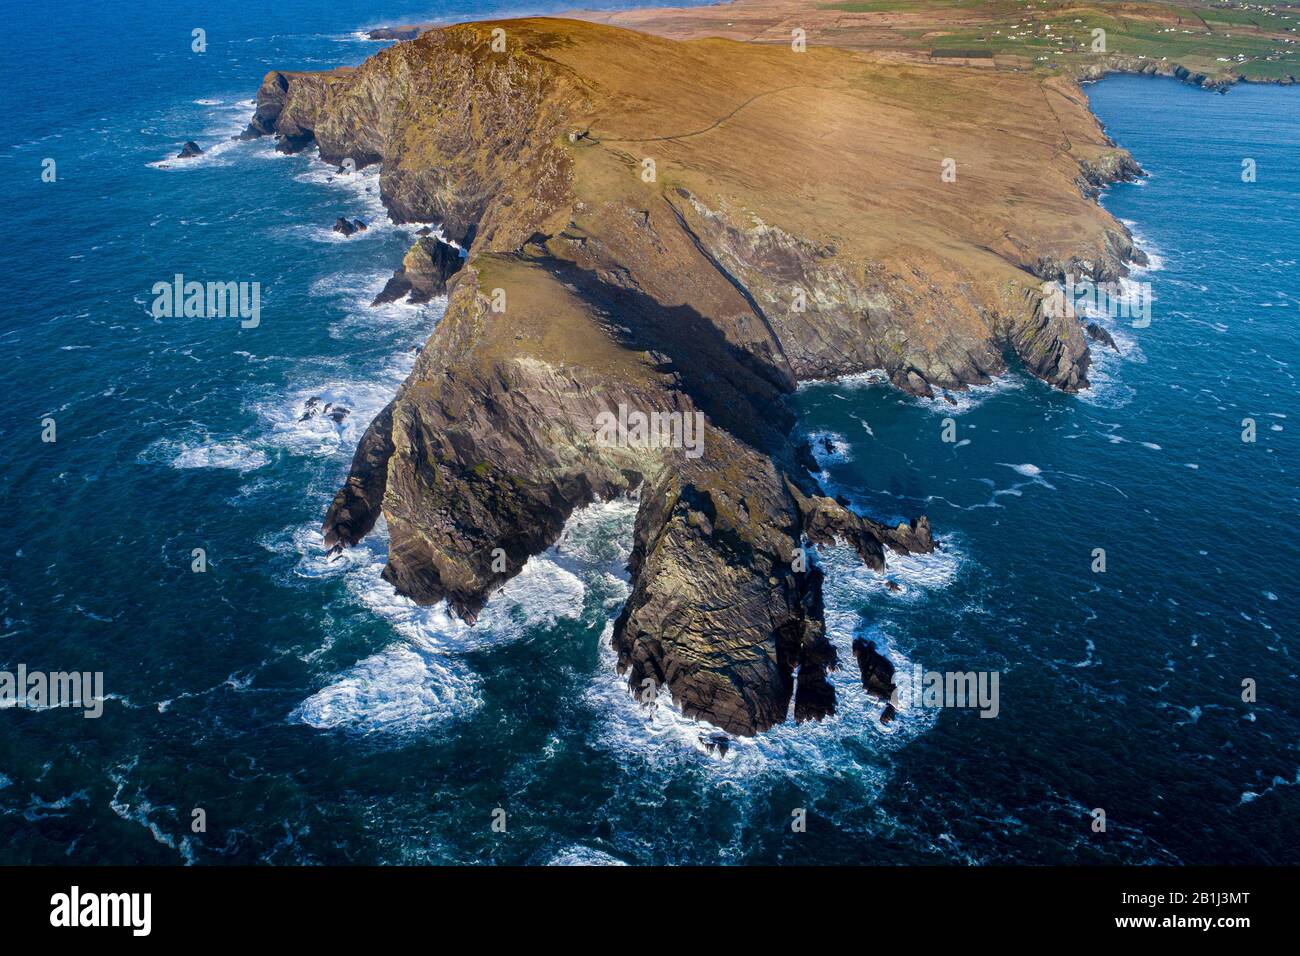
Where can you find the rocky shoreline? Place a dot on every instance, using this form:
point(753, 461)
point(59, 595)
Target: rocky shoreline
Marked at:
point(1144, 66)
point(709, 288)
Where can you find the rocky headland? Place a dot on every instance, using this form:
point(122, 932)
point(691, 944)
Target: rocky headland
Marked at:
point(691, 228)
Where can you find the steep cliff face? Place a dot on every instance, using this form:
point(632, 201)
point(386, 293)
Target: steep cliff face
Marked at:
point(1147, 66)
point(468, 137)
point(683, 231)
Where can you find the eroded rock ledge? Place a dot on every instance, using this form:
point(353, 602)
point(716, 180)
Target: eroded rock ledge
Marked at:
point(691, 228)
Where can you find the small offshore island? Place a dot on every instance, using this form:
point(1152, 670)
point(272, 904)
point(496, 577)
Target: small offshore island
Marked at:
point(658, 216)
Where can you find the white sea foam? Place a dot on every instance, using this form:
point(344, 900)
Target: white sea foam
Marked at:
point(40, 809)
point(579, 855)
point(829, 448)
point(1106, 388)
point(203, 452)
point(958, 402)
point(1250, 796)
point(302, 429)
point(1029, 471)
point(866, 426)
point(415, 322)
point(293, 424)
point(944, 401)
point(361, 189)
point(422, 678)
point(360, 199)
point(223, 121)
point(213, 155)
point(850, 584)
point(398, 689)
point(868, 379)
point(1155, 260)
point(288, 424)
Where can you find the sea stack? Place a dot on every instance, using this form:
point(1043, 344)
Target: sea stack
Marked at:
point(424, 272)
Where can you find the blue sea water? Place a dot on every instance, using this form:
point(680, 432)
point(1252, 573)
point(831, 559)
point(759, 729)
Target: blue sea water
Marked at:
point(316, 717)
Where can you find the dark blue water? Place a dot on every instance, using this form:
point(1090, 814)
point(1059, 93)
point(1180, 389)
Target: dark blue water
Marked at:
point(316, 717)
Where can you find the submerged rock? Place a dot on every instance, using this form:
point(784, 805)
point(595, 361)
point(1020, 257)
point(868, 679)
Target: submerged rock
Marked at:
point(312, 408)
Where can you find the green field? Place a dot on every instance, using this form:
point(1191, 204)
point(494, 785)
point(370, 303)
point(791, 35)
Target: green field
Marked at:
point(1251, 40)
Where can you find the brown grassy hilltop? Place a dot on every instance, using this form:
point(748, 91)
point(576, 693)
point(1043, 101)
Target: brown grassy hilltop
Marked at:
point(693, 226)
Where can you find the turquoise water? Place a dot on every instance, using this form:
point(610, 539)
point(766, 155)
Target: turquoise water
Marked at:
point(315, 717)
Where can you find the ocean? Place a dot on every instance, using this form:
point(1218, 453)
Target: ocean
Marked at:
point(306, 714)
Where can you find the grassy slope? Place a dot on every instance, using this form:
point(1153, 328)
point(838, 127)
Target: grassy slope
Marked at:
point(767, 131)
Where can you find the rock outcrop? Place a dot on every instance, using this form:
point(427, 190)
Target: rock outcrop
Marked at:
point(663, 239)
point(877, 672)
point(1113, 166)
point(394, 33)
point(1099, 334)
point(358, 504)
point(424, 272)
point(347, 227)
point(826, 521)
point(314, 408)
point(189, 150)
